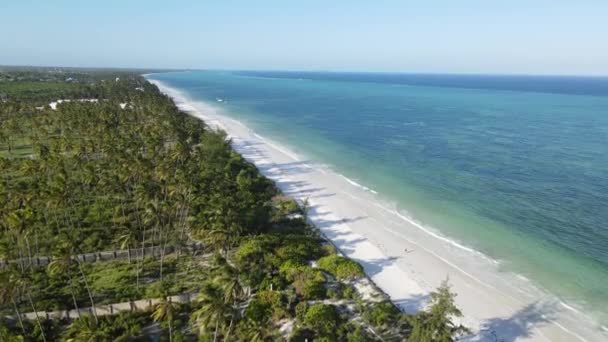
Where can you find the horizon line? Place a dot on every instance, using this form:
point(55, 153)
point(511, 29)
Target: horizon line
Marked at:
point(438, 73)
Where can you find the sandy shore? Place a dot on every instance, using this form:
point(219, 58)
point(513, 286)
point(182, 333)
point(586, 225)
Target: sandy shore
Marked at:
point(405, 259)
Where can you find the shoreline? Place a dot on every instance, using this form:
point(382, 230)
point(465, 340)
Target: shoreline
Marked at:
point(375, 236)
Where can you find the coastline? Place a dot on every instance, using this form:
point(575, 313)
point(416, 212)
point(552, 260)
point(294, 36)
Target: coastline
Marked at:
point(370, 232)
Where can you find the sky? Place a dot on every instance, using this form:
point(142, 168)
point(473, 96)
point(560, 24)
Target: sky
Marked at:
point(436, 36)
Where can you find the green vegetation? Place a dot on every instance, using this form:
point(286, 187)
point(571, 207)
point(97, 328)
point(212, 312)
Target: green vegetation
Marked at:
point(341, 267)
point(132, 172)
point(436, 323)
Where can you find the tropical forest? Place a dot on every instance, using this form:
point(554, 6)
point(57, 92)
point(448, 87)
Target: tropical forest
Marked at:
point(123, 218)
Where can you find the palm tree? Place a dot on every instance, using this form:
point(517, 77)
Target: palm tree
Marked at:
point(227, 276)
point(165, 311)
point(213, 308)
point(25, 283)
point(60, 266)
point(83, 329)
point(219, 239)
point(126, 240)
point(258, 331)
point(7, 336)
point(18, 221)
point(65, 251)
point(9, 289)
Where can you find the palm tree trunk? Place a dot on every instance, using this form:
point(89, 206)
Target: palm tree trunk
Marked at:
point(143, 254)
point(86, 284)
point(73, 296)
point(75, 303)
point(229, 328)
point(36, 237)
point(170, 331)
point(161, 266)
point(129, 253)
point(162, 255)
point(20, 257)
point(29, 252)
point(37, 318)
point(18, 315)
point(217, 323)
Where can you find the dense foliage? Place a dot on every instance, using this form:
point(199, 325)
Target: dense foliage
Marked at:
point(129, 171)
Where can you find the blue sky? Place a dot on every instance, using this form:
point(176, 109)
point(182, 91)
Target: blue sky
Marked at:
point(459, 36)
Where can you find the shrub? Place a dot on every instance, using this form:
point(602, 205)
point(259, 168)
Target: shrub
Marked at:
point(296, 253)
point(271, 283)
point(302, 334)
point(300, 310)
point(300, 248)
point(334, 293)
point(322, 318)
point(313, 289)
point(328, 249)
point(307, 281)
point(285, 206)
point(341, 267)
point(349, 292)
point(383, 313)
point(358, 335)
point(253, 250)
point(258, 310)
point(274, 300)
point(293, 271)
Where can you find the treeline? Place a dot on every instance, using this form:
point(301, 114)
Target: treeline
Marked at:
point(132, 171)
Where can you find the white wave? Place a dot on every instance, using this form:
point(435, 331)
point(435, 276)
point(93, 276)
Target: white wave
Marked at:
point(437, 235)
point(571, 308)
point(357, 184)
point(278, 148)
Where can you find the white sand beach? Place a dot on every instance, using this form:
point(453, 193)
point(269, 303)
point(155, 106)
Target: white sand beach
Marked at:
point(405, 259)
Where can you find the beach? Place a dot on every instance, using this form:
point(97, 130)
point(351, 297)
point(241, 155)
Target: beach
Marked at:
point(405, 259)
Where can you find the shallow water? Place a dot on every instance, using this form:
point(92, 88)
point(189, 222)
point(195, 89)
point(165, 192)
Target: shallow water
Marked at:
point(514, 167)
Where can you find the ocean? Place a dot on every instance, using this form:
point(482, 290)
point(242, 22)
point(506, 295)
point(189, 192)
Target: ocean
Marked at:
point(515, 167)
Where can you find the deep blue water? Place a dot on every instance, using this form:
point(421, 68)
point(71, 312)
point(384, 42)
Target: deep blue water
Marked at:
point(545, 84)
point(514, 166)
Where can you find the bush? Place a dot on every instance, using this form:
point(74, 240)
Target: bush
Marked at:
point(249, 251)
point(313, 289)
point(301, 334)
point(341, 267)
point(300, 310)
point(296, 253)
point(322, 318)
point(293, 271)
point(383, 313)
point(307, 281)
point(285, 206)
point(328, 249)
point(299, 248)
point(358, 335)
point(334, 293)
point(275, 302)
point(253, 250)
point(258, 311)
point(349, 292)
point(275, 283)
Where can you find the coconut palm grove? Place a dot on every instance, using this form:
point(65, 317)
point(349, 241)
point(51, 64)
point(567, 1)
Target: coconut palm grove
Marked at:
point(124, 219)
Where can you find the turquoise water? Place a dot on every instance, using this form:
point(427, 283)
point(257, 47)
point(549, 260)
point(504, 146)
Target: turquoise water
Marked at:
point(515, 167)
